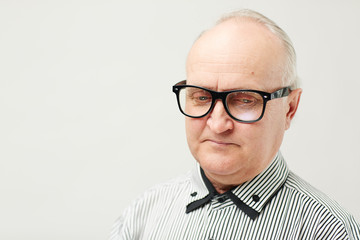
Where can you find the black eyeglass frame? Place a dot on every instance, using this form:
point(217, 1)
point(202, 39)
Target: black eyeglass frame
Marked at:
point(283, 92)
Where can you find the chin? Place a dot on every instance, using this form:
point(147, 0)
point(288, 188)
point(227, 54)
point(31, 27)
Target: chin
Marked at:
point(220, 165)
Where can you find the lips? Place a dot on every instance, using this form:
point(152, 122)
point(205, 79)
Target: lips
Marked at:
point(219, 142)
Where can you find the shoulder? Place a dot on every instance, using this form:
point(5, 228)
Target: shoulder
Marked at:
point(151, 203)
point(162, 192)
point(165, 190)
point(313, 196)
point(321, 209)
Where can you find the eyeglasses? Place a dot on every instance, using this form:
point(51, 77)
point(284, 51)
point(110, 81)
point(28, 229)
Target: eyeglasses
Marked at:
point(245, 106)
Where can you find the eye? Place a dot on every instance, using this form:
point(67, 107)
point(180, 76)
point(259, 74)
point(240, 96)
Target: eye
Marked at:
point(244, 99)
point(200, 96)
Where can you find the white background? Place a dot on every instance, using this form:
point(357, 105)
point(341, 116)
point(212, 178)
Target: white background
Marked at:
point(88, 120)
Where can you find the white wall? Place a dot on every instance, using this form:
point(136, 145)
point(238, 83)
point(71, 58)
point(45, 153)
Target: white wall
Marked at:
point(88, 120)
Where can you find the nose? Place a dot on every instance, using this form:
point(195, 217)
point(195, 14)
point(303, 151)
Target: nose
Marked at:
point(219, 121)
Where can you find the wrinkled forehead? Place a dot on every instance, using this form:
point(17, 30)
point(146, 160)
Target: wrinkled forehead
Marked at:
point(233, 54)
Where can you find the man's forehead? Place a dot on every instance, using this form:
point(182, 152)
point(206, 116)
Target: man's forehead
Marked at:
point(215, 67)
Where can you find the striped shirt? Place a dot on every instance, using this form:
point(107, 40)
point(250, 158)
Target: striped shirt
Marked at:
point(287, 208)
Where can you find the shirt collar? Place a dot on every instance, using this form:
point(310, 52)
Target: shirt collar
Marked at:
point(255, 193)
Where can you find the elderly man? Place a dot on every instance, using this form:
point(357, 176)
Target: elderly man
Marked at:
point(239, 98)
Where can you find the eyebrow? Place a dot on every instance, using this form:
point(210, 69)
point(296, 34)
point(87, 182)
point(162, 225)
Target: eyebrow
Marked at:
point(232, 89)
point(258, 88)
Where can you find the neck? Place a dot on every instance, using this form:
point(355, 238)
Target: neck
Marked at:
point(220, 188)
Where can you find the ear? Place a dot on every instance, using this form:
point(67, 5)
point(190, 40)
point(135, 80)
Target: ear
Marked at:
point(292, 105)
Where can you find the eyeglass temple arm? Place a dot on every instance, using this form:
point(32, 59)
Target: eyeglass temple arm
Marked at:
point(280, 93)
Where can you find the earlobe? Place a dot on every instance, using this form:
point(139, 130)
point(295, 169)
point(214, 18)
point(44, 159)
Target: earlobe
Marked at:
point(293, 103)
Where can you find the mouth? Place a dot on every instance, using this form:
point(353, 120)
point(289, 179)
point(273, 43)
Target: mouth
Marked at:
point(219, 143)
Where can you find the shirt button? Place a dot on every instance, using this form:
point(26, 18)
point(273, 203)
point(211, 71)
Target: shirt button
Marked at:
point(193, 194)
point(221, 199)
point(256, 198)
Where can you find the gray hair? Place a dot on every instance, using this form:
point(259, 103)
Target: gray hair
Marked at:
point(290, 77)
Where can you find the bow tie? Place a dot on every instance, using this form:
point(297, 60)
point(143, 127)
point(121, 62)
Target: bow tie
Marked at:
point(212, 193)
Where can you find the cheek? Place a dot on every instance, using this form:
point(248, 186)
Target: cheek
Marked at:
point(267, 130)
point(193, 133)
point(273, 125)
point(251, 135)
point(194, 128)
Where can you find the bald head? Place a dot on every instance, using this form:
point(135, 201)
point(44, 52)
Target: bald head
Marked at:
point(233, 25)
point(243, 48)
